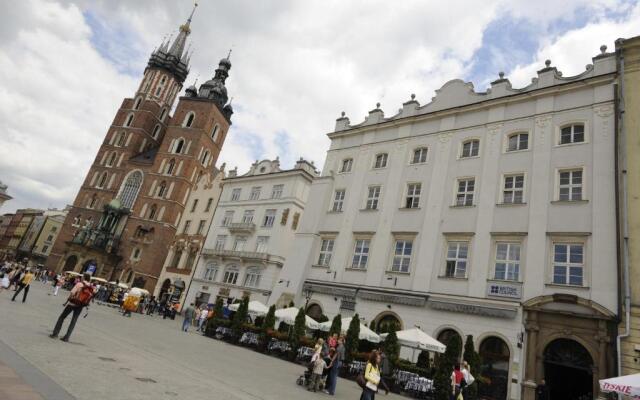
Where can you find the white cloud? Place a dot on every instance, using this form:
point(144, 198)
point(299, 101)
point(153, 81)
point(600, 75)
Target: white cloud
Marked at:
point(296, 66)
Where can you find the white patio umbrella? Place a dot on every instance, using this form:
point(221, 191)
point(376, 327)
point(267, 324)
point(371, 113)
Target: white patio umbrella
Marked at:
point(288, 316)
point(415, 338)
point(628, 385)
point(255, 308)
point(365, 333)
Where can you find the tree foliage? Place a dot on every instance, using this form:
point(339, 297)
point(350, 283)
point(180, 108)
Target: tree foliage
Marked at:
point(391, 346)
point(473, 359)
point(353, 338)
point(298, 330)
point(218, 315)
point(336, 325)
point(442, 380)
point(423, 360)
point(269, 321)
point(240, 318)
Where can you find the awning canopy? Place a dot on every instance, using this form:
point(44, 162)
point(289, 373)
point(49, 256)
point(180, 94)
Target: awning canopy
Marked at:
point(417, 339)
point(288, 316)
point(628, 385)
point(365, 333)
point(255, 308)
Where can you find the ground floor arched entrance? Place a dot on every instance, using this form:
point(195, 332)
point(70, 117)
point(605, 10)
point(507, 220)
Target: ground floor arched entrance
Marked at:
point(70, 263)
point(566, 360)
point(387, 321)
point(314, 311)
point(494, 369)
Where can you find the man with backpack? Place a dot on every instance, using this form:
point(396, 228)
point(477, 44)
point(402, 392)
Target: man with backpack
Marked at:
point(79, 298)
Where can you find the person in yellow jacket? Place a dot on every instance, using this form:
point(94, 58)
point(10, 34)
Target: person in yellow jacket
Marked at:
point(24, 285)
point(372, 377)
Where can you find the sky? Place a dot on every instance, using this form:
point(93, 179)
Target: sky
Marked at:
point(65, 67)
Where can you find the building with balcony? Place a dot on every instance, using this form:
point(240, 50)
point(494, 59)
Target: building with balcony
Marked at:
point(489, 214)
point(252, 232)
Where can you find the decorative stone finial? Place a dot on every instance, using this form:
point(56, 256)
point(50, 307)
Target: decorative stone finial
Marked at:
point(588, 66)
point(547, 63)
point(501, 74)
point(377, 105)
point(603, 49)
point(343, 114)
point(413, 96)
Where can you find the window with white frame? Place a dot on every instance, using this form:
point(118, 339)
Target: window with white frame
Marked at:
point(470, 148)
point(413, 195)
point(231, 275)
point(228, 218)
point(570, 185)
point(210, 272)
point(235, 194)
point(240, 243)
point(338, 200)
point(457, 257)
point(255, 193)
point(572, 134)
point(168, 169)
point(276, 191)
point(402, 255)
point(178, 147)
point(513, 191)
point(269, 218)
point(252, 279)
point(156, 132)
point(464, 192)
point(419, 155)
point(209, 204)
point(326, 250)
point(201, 226)
point(262, 243)
point(518, 141)
point(360, 254)
point(347, 164)
point(373, 197)
point(381, 160)
point(221, 242)
point(568, 264)
point(162, 189)
point(507, 265)
point(247, 217)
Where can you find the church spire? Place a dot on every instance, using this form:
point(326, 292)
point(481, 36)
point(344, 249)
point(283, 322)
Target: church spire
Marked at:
point(178, 45)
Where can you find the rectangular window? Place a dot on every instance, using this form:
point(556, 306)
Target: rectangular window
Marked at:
point(201, 225)
point(513, 192)
point(402, 256)
point(381, 160)
point(572, 134)
point(187, 224)
point(209, 203)
point(570, 185)
point(373, 196)
point(470, 148)
point(210, 273)
point(269, 218)
point(360, 254)
point(464, 193)
point(253, 278)
point(49, 238)
point(239, 244)
point(347, 164)
point(338, 200)
point(419, 156)
point(221, 242)
point(228, 218)
point(518, 141)
point(413, 195)
point(262, 244)
point(45, 248)
point(326, 249)
point(568, 264)
point(456, 263)
point(247, 217)
point(507, 261)
point(195, 204)
point(230, 276)
point(276, 191)
point(235, 194)
point(255, 193)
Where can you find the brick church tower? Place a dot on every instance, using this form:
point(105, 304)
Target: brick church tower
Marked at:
point(125, 214)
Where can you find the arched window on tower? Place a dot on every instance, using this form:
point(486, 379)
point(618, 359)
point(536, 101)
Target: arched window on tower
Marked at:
point(121, 139)
point(162, 189)
point(163, 114)
point(156, 131)
point(215, 132)
point(163, 80)
point(129, 189)
point(152, 212)
point(168, 169)
point(92, 202)
point(129, 120)
point(103, 180)
point(188, 119)
point(112, 159)
point(178, 146)
point(205, 158)
point(136, 105)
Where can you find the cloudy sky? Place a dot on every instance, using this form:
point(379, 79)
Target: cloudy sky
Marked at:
point(66, 65)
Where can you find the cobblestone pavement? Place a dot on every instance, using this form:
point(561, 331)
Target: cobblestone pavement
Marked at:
point(115, 357)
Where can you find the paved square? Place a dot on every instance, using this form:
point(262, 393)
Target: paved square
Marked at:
point(114, 357)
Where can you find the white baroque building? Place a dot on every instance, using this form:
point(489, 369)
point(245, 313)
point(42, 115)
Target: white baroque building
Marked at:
point(487, 214)
point(252, 232)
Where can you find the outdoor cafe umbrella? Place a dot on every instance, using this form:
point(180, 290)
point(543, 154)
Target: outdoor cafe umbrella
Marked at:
point(415, 338)
point(628, 385)
point(255, 308)
point(288, 316)
point(365, 333)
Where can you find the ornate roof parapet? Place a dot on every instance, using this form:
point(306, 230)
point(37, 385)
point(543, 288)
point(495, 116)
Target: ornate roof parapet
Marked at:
point(410, 107)
point(342, 123)
point(375, 116)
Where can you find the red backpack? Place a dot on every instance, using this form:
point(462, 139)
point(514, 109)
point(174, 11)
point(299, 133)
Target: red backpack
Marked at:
point(83, 296)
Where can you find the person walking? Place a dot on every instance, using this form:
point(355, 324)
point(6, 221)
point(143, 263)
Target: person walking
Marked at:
point(204, 314)
point(189, 312)
point(372, 377)
point(24, 284)
point(335, 365)
point(4, 281)
point(317, 369)
point(467, 377)
point(79, 298)
point(58, 284)
point(456, 381)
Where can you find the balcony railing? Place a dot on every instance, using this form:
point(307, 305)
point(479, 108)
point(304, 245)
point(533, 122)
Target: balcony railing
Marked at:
point(98, 240)
point(247, 227)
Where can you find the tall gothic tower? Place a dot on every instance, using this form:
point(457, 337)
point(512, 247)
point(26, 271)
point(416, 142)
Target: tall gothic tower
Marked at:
point(126, 211)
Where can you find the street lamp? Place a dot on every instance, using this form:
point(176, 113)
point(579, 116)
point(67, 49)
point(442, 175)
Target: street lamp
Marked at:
point(308, 293)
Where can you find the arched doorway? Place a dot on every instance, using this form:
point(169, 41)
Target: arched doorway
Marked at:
point(164, 289)
point(445, 336)
point(566, 360)
point(314, 311)
point(90, 267)
point(70, 263)
point(386, 321)
point(494, 369)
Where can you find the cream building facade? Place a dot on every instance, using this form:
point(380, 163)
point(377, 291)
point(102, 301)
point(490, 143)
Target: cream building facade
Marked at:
point(487, 214)
point(252, 232)
point(47, 237)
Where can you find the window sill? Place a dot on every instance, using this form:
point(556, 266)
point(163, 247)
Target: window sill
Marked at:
point(568, 202)
point(409, 208)
point(453, 278)
point(516, 151)
point(418, 163)
point(557, 285)
point(510, 204)
point(319, 266)
point(468, 158)
point(378, 169)
point(334, 212)
point(571, 144)
point(505, 281)
point(398, 272)
point(471, 206)
point(368, 209)
point(356, 269)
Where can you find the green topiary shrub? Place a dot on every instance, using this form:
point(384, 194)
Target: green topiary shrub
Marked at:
point(473, 359)
point(336, 325)
point(352, 340)
point(442, 379)
point(391, 346)
point(240, 318)
point(298, 331)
